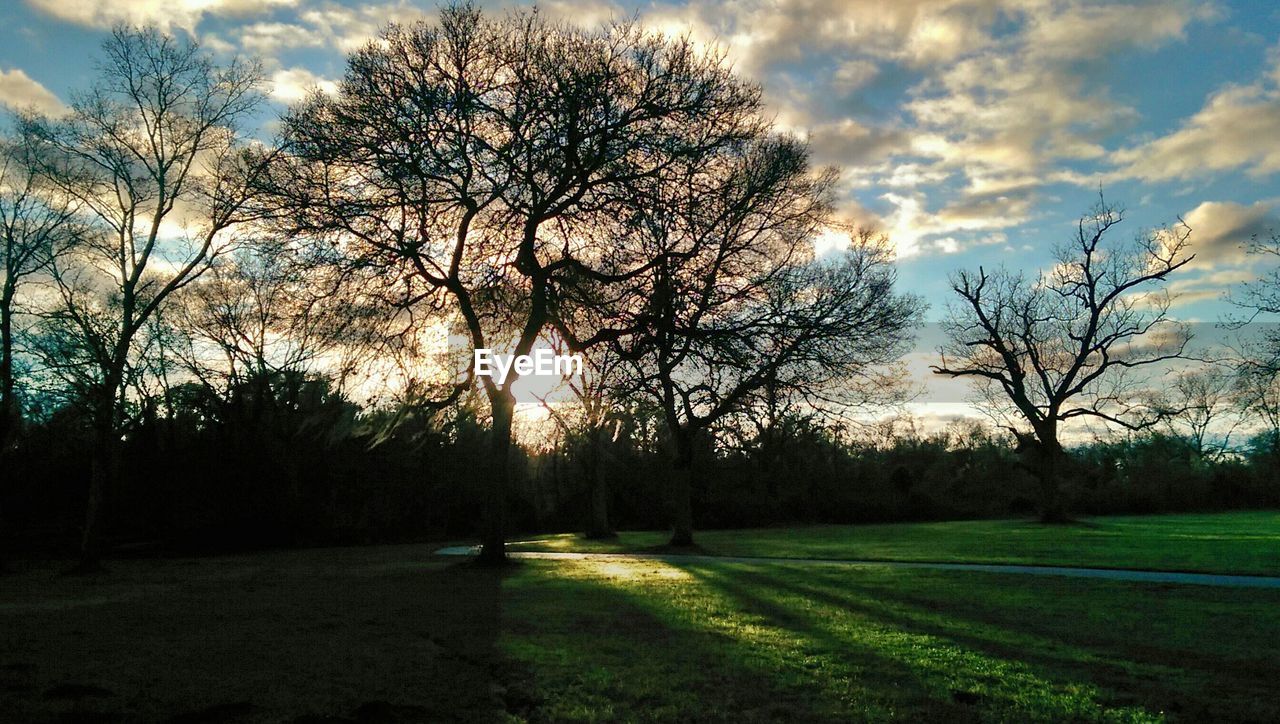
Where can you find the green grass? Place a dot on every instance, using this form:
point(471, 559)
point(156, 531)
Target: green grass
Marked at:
point(392, 633)
point(1243, 542)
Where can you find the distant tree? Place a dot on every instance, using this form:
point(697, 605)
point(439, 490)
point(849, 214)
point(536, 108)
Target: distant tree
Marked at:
point(1257, 391)
point(153, 154)
point(592, 423)
point(477, 160)
point(1067, 344)
point(1261, 298)
point(1198, 404)
point(35, 225)
point(739, 304)
point(259, 313)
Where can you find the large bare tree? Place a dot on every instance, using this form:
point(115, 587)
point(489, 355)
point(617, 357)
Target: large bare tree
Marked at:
point(476, 161)
point(153, 154)
point(739, 303)
point(1070, 344)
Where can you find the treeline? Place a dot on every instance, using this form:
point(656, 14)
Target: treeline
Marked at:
point(288, 461)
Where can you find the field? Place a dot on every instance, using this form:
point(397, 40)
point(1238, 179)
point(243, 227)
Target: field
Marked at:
point(1240, 542)
point(394, 633)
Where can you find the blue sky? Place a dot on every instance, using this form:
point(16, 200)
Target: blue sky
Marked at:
point(971, 131)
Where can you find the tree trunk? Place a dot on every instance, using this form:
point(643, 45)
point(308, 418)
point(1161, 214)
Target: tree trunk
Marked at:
point(8, 405)
point(493, 543)
point(598, 502)
point(1052, 509)
point(9, 417)
point(101, 474)
point(680, 493)
point(103, 470)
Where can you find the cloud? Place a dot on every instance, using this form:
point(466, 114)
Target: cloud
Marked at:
point(167, 14)
point(348, 29)
point(1207, 287)
point(987, 211)
point(18, 91)
point(914, 229)
point(1221, 229)
point(854, 74)
point(915, 32)
point(1237, 128)
point(293, 84)
point(1014, 110)
point(1094, 30)
point(270, 38)
point(850, 143)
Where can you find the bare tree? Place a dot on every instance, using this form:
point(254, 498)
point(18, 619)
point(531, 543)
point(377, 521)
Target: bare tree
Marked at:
point(1201, 404)
point(259, 313)
point(1261, 297)
point(36, 224)
point(476, 160)
point(1258, 395)
point(591, 423)
point(740, 304)
point(154, 156)
point(1067, 345)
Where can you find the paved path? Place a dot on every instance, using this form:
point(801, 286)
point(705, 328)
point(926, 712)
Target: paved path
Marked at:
point(1112, 574)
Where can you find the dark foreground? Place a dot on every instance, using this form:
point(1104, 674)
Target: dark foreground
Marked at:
point(397, 634)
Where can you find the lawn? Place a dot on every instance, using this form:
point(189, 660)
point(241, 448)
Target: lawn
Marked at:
point(1241, 542)
point(392, 633)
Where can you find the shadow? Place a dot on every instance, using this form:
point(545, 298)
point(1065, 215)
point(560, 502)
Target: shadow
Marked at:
point(622, 654)
point(1125, 675)
point(693, 549)
point(887, 683)
point(373, 634)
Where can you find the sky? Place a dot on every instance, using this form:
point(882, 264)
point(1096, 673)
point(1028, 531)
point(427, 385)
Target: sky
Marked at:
point(972, 132)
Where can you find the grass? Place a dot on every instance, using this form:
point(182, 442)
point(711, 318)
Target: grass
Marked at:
point(392, 633)
point(1241, 542)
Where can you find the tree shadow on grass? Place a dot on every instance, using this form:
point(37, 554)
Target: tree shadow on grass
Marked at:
point(871, 680)
point(628, 649)
point(345, 635)
point(1044, 652)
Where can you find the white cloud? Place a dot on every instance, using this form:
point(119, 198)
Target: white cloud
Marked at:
point(293, 84)
point(913, 228)
point(850, 143)
point(1221, 229)
point(348, 29)
point(270, 38)
point(1092, 30)
point(19, 91)
point(1207, 287)
point(185, 14)
point(1238, 127)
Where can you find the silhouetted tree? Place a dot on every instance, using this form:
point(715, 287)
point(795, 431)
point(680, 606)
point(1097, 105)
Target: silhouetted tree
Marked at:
point(1197, 402)
point(153, 154)
point(36, 224)
point(1061, 346)
point(739, 303)
point(1261, 297)
point(259, 312)
point(476, 160)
